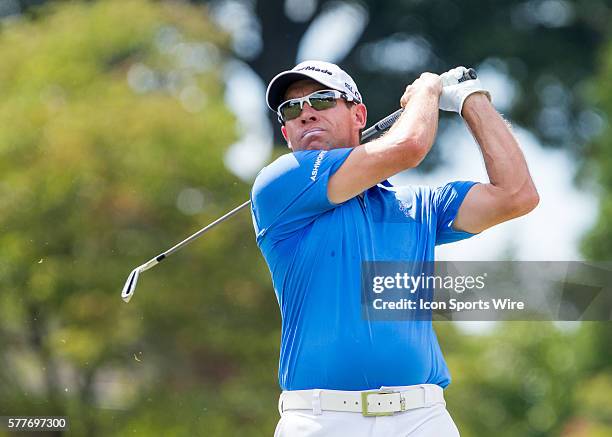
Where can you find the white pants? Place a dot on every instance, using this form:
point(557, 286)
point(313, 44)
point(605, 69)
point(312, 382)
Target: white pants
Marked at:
point(431, 421)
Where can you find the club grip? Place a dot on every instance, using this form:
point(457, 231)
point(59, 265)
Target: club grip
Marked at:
point(469, 75)
point(388, 121)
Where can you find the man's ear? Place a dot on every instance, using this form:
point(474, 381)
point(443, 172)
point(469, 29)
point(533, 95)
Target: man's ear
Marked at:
point(284, 132)
point(360, 115)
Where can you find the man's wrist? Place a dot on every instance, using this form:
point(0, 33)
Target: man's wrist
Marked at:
point(429, 90)
point(474, 102)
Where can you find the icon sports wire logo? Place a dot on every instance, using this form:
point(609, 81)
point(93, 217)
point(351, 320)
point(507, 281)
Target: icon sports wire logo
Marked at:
point(486, 290)
point(317, 164)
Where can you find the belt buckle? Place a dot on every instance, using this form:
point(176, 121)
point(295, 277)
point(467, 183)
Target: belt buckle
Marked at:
point(364, 403)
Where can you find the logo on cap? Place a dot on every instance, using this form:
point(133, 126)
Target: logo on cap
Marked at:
point(311, 68)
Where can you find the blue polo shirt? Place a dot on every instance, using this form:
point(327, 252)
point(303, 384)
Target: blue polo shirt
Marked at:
point(314, 249)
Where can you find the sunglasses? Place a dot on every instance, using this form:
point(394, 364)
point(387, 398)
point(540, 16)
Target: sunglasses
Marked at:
point(319, 100)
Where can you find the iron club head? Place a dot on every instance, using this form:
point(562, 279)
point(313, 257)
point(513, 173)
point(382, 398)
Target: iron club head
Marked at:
point(130, 285)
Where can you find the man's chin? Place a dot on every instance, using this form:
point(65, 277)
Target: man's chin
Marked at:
point(318, 144)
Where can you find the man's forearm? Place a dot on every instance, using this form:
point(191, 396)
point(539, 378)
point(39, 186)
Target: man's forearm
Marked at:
point(417, 125)
point(504, 160)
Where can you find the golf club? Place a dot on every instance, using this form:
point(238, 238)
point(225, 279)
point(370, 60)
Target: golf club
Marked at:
point(132, 280)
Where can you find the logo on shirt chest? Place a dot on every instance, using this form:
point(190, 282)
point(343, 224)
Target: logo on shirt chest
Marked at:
point(405, 206)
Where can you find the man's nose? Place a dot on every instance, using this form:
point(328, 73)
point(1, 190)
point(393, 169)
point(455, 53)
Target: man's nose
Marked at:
point(308, 114)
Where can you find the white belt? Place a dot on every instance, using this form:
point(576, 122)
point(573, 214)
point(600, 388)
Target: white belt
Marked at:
point(383, 402)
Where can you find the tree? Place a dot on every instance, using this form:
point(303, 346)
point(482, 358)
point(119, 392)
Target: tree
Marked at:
point(112, 134)
point(598, 244)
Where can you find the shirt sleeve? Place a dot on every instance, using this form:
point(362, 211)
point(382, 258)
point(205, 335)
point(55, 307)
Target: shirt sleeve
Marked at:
point(292, 191)
point(446, 202)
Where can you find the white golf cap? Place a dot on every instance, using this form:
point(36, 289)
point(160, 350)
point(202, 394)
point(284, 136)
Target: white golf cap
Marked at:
point(325, 73)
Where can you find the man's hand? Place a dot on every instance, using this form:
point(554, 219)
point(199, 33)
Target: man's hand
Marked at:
point(426, 82)
point(454, 92)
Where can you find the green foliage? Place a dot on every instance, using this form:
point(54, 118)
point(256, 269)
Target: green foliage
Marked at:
point(530, 379)
point(598, 244)
point(109, 112)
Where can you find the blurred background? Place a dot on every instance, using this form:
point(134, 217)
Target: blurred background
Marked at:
point(127, 125)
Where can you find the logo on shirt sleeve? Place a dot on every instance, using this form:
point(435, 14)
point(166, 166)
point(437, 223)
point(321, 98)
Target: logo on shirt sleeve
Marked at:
point(317, 164)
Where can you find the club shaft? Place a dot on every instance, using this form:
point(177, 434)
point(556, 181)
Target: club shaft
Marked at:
point(130, 285)
point(186, 241)
point(378, 127)
point(382, 125)
point(204, 229)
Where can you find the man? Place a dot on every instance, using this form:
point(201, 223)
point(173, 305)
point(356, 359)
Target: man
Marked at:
point(321, 210)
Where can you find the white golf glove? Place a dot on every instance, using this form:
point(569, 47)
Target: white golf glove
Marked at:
point(455, 92)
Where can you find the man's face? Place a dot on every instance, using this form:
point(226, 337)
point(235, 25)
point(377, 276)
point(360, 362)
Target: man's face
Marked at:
point(322, 130)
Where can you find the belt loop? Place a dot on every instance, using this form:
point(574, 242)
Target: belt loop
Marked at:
point(280, 404)
point(425, 397)
point(316, 402)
